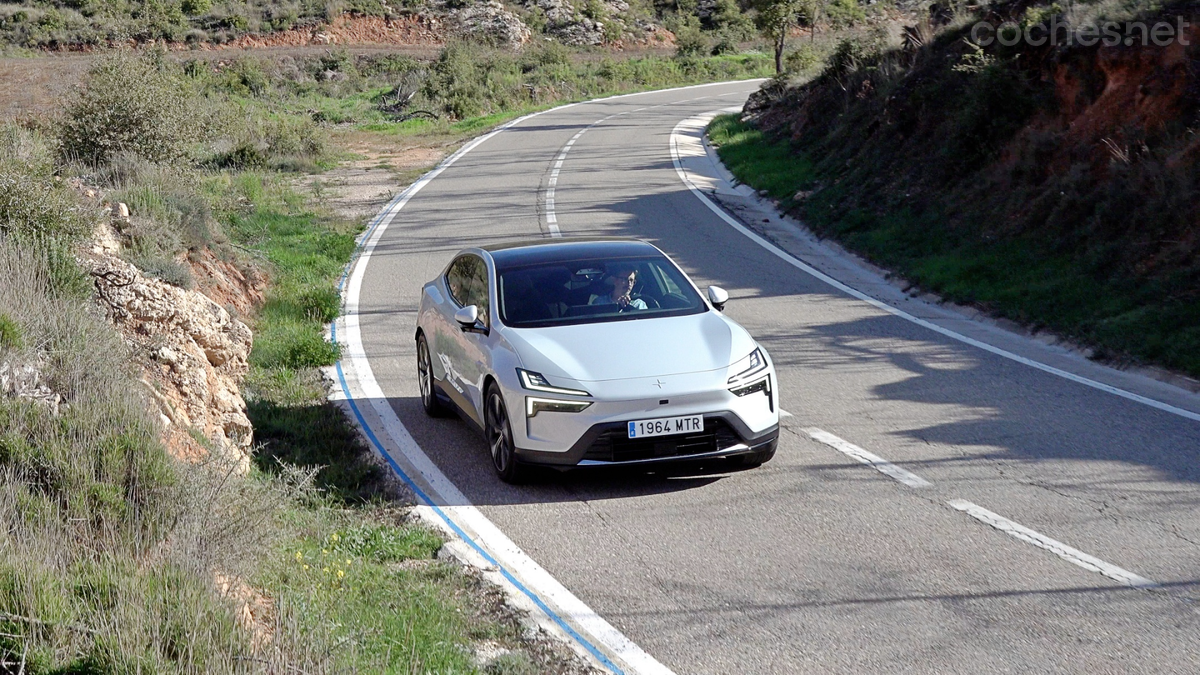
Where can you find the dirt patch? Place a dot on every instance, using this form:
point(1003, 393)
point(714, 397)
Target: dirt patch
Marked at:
point(255, 611)
point(34, 86)
point(383, 166)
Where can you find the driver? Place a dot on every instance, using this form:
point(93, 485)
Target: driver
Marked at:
point(623, 277)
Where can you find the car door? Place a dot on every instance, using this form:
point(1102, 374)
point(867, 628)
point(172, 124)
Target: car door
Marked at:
point(476, 340)
point(462, 352)
point(448, 350)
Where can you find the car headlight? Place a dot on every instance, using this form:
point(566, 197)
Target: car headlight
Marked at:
point(748, 367)
point(533, 406)
point(763, 385)
point(536, 382)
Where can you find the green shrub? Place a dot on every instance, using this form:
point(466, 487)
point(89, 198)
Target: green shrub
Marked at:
point(245, 155)
point(196, 7)
point(39, 205)
point(802, 60)
point(689, 41)
point(11, 336)
point(132, 104)
point(321, 303)
point(844, 13)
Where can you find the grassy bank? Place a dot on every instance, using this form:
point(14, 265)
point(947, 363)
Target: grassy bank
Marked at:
point(946, 166)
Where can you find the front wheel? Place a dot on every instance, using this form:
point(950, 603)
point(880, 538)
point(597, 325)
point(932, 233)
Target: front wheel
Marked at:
point(429, 400)
point(500, 438)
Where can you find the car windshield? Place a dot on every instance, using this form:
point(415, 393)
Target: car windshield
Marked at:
point(591, 291)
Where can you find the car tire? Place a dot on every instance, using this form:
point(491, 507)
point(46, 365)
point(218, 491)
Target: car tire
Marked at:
point(498, 432)
point(429, 399)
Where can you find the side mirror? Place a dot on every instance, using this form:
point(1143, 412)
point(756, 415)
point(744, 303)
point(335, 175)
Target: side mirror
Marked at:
point(717, 296)
point(467, 316)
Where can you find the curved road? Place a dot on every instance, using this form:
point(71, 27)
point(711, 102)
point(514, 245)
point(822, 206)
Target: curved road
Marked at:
point(816, 562)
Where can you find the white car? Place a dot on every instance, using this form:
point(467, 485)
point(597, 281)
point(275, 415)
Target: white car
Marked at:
point(588, 352)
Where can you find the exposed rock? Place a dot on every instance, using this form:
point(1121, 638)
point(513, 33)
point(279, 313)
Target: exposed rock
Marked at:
point(490, 22)
point(25, 381)
point(256, 611)
point(568, 24)
point(194, 351)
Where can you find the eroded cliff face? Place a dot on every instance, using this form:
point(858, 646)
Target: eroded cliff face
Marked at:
point(193, 352)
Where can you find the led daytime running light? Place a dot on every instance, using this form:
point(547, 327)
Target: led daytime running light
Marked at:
point(536, 382)
point(533, 406)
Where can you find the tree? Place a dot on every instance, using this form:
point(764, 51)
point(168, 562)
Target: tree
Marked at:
point(776, 18)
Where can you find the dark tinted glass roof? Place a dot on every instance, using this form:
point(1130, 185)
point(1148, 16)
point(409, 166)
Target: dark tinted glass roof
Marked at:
point(556, 250)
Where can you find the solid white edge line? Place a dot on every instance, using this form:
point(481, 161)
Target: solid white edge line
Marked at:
point(701, 121)
point(1072, 555)
point(467, 516)
point(872, 460)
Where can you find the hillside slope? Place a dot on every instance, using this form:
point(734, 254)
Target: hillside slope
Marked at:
point(1055, 185)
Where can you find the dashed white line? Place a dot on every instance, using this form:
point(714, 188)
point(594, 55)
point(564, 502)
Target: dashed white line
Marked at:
point(551, 217)
point(1072, 555)
point(872, 460)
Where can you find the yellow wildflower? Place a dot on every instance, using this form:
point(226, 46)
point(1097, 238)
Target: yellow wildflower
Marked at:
point(299, 556)
point(341, 573)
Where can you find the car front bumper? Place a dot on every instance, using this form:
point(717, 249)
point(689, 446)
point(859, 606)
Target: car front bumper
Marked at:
point(607, 444)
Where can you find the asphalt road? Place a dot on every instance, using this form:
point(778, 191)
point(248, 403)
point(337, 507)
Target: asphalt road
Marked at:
point(815, 562)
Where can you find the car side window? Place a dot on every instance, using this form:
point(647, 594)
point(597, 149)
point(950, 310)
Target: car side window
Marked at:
point(457, 279)
point(468, 283)
point(477, 287)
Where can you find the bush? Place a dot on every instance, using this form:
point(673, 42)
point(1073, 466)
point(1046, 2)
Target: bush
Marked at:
point(38, 205)
point(132, 104)
point(803, 60)
point(689, 41)
point(11, 336)
point(196, 7)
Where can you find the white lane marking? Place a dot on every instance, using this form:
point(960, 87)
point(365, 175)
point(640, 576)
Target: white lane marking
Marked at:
point(872, 460)
point(463, 514)
point(784, 413)
point(1072, 555)
point(551, 216)
point(697, 124)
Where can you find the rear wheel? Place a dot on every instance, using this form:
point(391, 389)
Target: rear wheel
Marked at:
point(429, 400)
point(500, 438)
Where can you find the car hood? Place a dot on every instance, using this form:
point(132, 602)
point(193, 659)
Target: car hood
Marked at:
point(615, 350)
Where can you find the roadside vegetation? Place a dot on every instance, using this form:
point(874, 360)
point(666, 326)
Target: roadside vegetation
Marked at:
point(115, 555)
point(980, 174)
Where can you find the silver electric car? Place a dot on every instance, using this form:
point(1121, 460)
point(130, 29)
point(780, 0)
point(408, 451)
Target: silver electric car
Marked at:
point(588, 352)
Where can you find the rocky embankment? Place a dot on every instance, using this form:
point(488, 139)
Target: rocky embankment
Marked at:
point(192, 350)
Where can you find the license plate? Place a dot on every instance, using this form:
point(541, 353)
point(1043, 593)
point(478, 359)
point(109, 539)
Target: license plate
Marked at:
point(665, 426)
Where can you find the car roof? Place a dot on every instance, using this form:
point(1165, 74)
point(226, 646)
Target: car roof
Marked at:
point(535, 251)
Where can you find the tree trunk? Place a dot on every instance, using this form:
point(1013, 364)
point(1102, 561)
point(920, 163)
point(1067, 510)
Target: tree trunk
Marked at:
point(779, 43)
